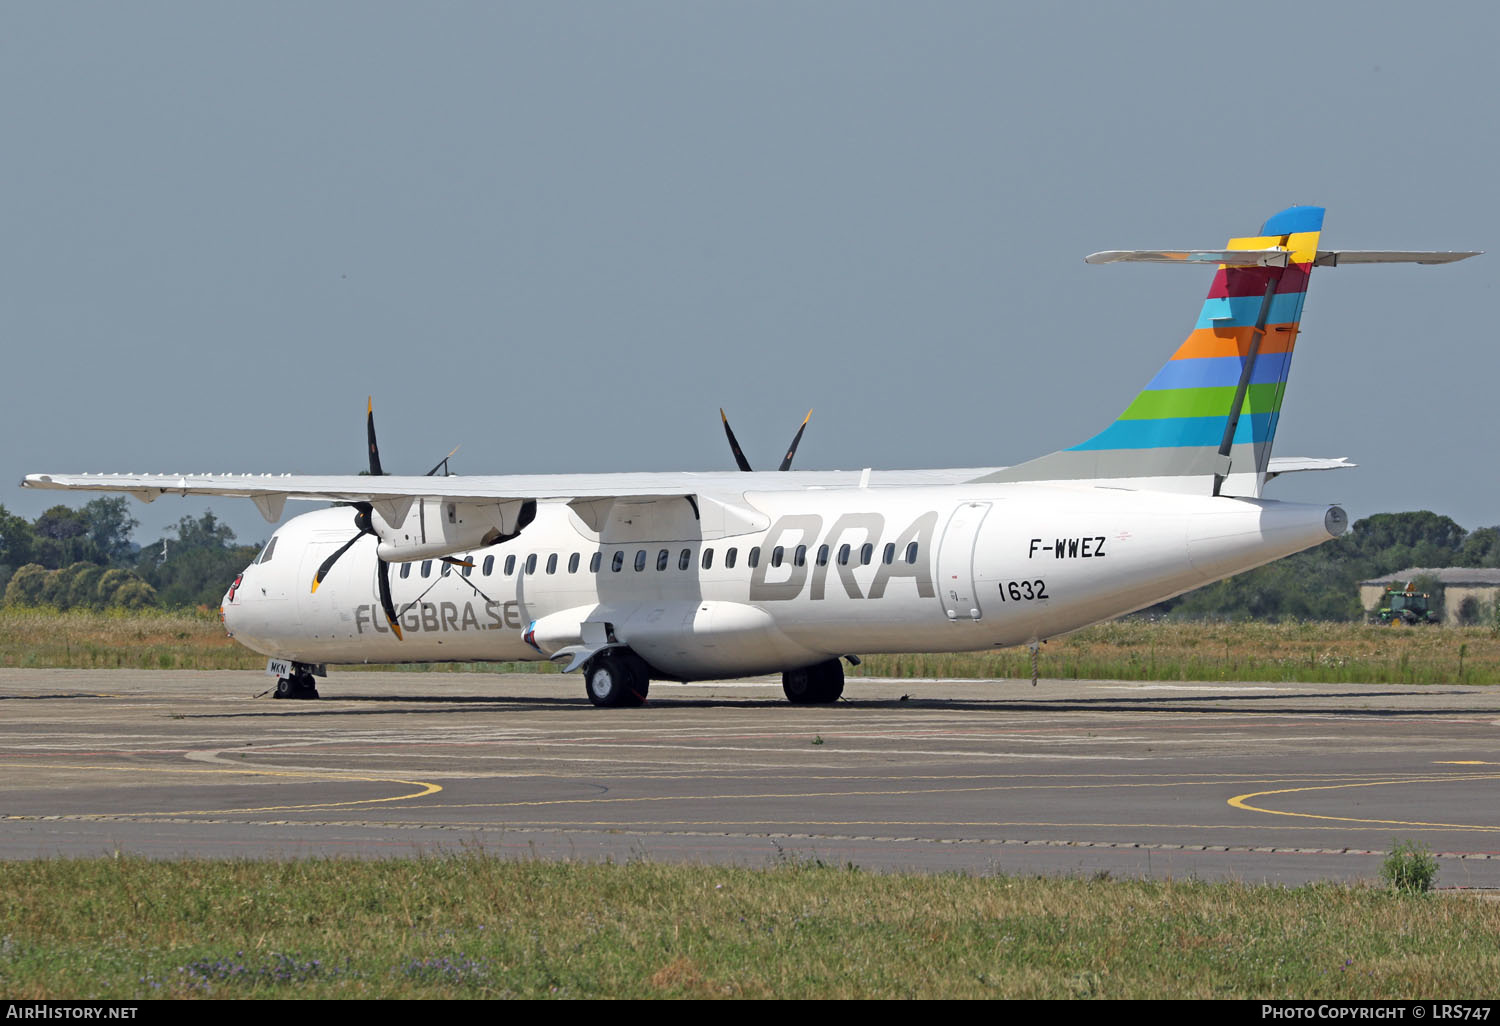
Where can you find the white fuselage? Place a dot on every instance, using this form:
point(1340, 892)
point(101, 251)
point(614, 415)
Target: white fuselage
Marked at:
point(928, 568)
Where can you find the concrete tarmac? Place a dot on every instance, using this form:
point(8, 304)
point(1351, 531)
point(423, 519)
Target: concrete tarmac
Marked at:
point(1279, 783)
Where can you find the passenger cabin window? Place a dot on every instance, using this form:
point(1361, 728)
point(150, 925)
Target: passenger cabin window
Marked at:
point(822, 555)
point(911, 553)
point(268, 551)
point(730, 555)
point(776, 555)
point(685, 560)
point(489, 566)
point(426, 568)
point(753, 559)
point(445, 569)
point(661, 559)
point(617, 562)
point(469, 570)
point(799, 557)
point(866, 553)
point(531, 563)
point(552, 563)
point(708, 559)
point(573, 563)
point(595, 561)
point(843, 555)
point(640, 560)
point(889, 556)
point(405, 570)
point(510, 565)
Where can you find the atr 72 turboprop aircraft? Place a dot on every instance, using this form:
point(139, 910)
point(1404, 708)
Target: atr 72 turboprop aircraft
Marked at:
point(706, 576)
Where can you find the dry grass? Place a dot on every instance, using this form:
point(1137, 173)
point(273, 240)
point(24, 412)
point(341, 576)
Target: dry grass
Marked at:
point(117, 639)
point(1310, 652)
point(1126, 650)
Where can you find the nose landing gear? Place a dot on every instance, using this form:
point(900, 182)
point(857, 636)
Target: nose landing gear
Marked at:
point(300, 684)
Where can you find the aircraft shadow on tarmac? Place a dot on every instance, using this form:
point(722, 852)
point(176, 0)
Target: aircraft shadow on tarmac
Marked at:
point(1228, 703)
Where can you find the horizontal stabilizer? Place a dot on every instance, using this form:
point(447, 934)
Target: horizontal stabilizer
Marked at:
point(1230, 257)
point(1277, 257)
point(1293, 464)
point(1335, 257)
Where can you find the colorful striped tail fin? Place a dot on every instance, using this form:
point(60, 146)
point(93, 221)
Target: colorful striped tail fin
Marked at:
point(1206, 422)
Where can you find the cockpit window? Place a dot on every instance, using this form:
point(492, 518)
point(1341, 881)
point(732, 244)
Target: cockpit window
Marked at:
point(268, 551)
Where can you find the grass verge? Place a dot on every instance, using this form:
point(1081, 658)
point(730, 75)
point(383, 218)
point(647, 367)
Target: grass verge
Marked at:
point(1125, 650)
point(473, 925)
point(1311, 652)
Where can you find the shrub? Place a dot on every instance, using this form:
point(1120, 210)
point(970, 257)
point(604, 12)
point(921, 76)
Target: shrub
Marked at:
point(1409, 867)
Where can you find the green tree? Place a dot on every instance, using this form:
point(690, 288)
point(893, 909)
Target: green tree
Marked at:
point(1481, 548)
point(133, 594)
point(17, 540)
point(62, 537)
point(109, 583)
point(83, 588)
point(25, 588)
point(58, 588)
point(199, 563)
point(109, 527)
point(204, 533)
point(1395, 541)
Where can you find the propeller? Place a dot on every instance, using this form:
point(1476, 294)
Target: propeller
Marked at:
point(786, 461)
point(375, 470)
point(734, 443)
point(364, 521)
point(739, 455)
point(442, 464)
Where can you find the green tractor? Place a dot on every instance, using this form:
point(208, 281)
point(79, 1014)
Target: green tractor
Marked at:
point(1406, 605)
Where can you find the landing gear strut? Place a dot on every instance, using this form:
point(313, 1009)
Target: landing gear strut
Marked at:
point(300, 684)
point(616, 677)
point(814, 685)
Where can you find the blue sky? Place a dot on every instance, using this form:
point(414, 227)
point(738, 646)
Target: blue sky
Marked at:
point(564, 234)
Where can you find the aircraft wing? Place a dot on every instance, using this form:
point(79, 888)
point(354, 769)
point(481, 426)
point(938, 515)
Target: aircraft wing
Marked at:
point(271, 491)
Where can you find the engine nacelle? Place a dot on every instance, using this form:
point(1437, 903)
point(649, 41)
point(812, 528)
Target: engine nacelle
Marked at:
point(444, 527)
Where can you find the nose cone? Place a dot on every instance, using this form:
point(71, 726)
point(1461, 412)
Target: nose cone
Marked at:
point(229, 609)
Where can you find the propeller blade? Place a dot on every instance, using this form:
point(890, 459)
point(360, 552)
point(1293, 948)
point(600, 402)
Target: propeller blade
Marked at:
point(455, 561)
point(375, 470)
point(734, 445)
point(384, 577)
point(328, 563)
point(442, 464)
point(786, 463)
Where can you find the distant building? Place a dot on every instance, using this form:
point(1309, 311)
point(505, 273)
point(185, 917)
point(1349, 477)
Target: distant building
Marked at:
point(1467, 595)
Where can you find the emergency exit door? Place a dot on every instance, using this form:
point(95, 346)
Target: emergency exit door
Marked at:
point(955, 566)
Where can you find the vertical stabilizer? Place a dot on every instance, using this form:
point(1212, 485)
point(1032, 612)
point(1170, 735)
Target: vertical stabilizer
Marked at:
point(1205, 423)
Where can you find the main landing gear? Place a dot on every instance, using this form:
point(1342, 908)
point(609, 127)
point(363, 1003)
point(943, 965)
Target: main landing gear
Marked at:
point(300, 684)
point(814, 685)
point(617, 676)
